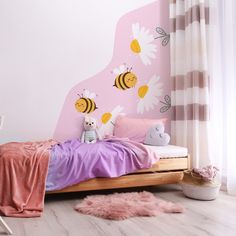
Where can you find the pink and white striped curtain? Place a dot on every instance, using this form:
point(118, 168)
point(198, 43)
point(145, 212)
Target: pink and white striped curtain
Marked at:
point(189, 21)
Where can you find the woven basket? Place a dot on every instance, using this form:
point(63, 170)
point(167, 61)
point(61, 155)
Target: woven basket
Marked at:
point(197, 188)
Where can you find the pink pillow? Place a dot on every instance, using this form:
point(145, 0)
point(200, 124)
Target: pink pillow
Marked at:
point(134, 128)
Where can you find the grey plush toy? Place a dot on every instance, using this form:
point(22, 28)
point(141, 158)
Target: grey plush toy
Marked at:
point(156, 136)
point(90, 133)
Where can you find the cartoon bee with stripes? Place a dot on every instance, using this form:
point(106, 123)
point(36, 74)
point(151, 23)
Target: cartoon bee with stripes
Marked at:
point(85, 103)
point(125, 79)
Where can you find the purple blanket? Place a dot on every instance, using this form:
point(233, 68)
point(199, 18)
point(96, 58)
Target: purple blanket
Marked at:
point(72, 161)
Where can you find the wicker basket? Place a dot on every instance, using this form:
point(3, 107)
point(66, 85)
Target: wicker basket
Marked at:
point(195, 187)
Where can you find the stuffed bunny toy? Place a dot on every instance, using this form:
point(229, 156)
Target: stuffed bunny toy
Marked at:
point(90, 133)
point(156, 136)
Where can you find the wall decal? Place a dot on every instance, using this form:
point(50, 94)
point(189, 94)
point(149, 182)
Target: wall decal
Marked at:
point(125, 79)
point(108, 121)
point(85, 103)
point(148, 94)
point(142, 44)
point(162, 35)
point(167, 104)
point(140, 82)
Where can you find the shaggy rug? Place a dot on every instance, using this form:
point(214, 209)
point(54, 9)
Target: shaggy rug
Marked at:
point(120, 206)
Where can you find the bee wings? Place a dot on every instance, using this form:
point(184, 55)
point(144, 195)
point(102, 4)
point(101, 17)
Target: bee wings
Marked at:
point(88, 94)
point(121, 69)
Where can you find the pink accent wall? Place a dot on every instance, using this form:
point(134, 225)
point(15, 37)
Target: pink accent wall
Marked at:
point(108, 97)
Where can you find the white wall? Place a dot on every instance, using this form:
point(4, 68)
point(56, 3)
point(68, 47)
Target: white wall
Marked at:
point(46, 47)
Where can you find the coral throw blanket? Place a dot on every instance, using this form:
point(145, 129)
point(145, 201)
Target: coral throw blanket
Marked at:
point(23, 171)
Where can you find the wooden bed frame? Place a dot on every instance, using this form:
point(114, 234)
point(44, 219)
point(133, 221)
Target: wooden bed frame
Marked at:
point(165, 171)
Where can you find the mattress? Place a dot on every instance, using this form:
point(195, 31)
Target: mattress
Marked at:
point(169, 151)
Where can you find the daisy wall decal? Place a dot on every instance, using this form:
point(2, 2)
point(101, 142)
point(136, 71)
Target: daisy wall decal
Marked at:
point(108, 120)
point(148, 94)
point(142, 44)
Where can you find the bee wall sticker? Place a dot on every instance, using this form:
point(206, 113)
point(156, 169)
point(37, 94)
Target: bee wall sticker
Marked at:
point(125, 79)
point(162, 35)
point(85, 103)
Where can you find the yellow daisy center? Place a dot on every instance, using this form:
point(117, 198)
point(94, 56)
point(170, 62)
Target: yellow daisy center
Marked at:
point(142, 91)
point(135, 47)
point(106, 117)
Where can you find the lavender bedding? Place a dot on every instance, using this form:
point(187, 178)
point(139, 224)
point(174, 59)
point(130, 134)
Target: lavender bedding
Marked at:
point(72, 161)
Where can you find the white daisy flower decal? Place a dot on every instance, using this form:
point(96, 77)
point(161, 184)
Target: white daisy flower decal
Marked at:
point(108, 121)
point(149, 94)
point(141, 44)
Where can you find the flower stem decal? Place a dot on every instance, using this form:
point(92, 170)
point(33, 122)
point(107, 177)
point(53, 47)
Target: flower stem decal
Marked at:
point(163, 35)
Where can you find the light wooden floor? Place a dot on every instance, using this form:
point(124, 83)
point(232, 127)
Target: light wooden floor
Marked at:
point(201, 218)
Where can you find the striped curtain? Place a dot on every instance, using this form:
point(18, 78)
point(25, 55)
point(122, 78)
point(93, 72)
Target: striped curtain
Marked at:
point(189, 21)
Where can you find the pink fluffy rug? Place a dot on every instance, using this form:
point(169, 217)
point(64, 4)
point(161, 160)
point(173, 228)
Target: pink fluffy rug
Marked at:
point(120, 206)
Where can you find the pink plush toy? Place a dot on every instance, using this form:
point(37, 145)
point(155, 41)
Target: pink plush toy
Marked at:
point(207, 173)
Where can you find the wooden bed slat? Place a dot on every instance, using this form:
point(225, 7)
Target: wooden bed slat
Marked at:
point(165, 171)
point(168, 164)
point(134, 180)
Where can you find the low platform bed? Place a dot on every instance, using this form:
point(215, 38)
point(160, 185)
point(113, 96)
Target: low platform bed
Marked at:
point(169, 169)
point(28, 169)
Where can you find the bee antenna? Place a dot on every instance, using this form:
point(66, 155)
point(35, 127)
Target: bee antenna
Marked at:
point(130, 68)
point(79, 95)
